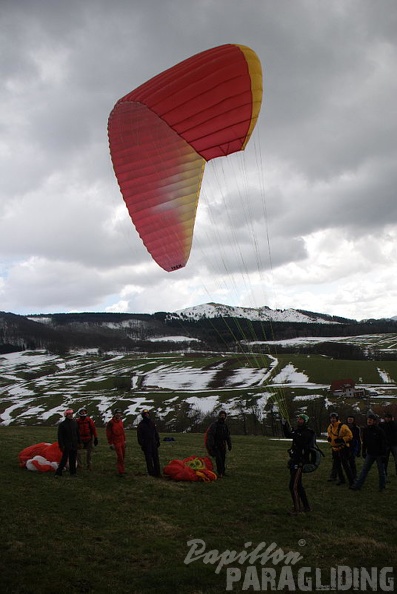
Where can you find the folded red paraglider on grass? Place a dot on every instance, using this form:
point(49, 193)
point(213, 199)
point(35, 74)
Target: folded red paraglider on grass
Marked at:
point(41, 457)
point(191, 469)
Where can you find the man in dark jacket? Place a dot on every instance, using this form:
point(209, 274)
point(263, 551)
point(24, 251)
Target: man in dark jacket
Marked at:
point(303, 439)
point(149, 440)
point(355, 445)
point(68, 440)
point(389, 427)
point(217, 439)
point(374, 450)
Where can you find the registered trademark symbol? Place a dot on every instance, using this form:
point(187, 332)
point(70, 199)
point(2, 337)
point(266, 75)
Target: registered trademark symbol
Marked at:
point(302, 542)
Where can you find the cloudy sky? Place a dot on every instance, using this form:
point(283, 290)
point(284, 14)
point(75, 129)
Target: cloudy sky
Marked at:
point(305, 218)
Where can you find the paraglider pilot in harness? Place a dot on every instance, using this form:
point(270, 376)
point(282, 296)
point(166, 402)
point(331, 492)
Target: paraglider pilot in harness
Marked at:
point(303, 442)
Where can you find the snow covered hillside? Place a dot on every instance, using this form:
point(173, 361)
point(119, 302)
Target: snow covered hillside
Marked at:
point(36, 387)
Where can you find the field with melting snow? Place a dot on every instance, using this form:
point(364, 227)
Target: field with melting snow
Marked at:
point(36, 387)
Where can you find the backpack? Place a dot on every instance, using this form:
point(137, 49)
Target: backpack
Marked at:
point(315, 455)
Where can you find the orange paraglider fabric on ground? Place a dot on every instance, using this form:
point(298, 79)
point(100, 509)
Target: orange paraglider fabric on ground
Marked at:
point(162, 134)
point(41, 457)
point(193, 468)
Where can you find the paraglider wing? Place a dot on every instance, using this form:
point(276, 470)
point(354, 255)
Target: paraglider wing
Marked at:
point(40, 457)
point(162, 133)
point(192, 469)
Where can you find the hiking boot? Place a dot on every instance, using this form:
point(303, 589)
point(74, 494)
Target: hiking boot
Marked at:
point(294, 512)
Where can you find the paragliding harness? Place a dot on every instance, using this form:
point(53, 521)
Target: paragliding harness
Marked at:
point(314, 457)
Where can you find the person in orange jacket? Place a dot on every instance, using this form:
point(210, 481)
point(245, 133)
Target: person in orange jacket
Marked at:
point(88, 437)
point(116, 438)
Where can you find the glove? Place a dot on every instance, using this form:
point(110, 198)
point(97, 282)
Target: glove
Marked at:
point(339, 440)
point(95, 441)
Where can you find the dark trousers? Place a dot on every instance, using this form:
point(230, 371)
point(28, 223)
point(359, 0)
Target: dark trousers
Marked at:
point(393, 451)
point(220, 460)
point(352, 464)
point(340, 459)
point(152, 461)
point(298, 493)
point(68, 454)
point(368, 462)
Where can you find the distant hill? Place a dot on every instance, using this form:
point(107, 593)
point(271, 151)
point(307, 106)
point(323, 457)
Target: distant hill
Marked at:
point(209, 326)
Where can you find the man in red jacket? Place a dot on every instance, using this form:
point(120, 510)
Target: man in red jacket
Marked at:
point(116, 438)
point(88, 437)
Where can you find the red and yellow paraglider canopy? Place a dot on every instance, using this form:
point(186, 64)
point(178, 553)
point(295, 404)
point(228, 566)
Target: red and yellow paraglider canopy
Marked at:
point(162, 133)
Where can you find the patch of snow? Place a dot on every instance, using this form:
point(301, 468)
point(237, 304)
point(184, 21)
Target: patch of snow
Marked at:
point(290, 375)
point(385, 377)
point(205, 405)
point(173, 339)
point(218, 310)
point(308, 397)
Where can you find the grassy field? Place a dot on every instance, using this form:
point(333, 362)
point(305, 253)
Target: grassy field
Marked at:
point(98, 533)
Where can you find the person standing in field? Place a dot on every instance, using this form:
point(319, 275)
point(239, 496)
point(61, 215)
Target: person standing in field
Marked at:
point(339, 438)
point(374, 450)
point(389, 427)
point(88, 437)
point(303, 439)
point(217, 440)
point(149, 440)
point(68, 441)
point(355, 444)
point(116, 439)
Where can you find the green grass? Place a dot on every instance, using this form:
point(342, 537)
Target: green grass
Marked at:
point(99, 533)
point(323, 370)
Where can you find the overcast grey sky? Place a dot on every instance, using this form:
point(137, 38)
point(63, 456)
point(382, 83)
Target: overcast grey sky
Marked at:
point(304, 218)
